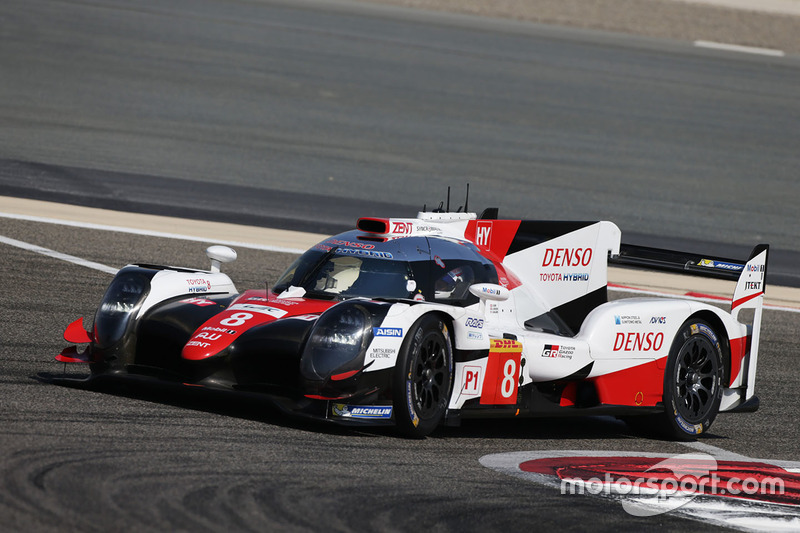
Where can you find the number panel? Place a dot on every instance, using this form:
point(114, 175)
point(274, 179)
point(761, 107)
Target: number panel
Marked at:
point(501, 383)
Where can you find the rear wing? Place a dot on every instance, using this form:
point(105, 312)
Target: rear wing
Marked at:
point(683, 262)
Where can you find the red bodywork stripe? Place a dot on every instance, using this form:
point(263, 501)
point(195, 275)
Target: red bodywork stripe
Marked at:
point(219, 331)
point(641, 385)
point(345, 375)
point(738, 351)
point(740, 301)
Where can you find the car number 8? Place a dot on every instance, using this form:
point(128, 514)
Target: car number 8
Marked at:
point(236, 319)
point(509, 378)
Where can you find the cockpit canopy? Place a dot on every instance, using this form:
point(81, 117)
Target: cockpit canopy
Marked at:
point(416, 268)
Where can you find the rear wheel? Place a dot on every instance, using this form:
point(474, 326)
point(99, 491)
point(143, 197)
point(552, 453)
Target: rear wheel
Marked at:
point(692, 381)
point(423, 377)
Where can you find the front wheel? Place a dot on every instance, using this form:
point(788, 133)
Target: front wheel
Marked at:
point(692, 381)
point(423, 377)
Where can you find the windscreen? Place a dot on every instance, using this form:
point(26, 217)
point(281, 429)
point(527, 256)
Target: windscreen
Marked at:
point(341, 273)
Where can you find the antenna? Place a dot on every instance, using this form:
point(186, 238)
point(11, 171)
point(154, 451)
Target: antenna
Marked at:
point(448, 200)
point(466, 201)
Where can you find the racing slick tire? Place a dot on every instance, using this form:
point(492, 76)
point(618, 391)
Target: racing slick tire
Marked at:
point(692, 381)
point(423, 377)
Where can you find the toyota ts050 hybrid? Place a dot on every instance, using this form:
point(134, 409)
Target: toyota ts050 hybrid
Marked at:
point(425, 321)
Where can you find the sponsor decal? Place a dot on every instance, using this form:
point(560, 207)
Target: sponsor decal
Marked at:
point(559, 352)
point(752, 285)
point(198, 343)
point(208, 335)
point(483, 234)
point(489, 290)
point(558, 276)
point(756, 268)
point(638, 342)
point(403, 228)
point(219, 330)
point(382, 353)
point(567, 257)
point(362, 411)
point(710, 263)
point(387, 332)
point(472, 381)
point(658, 320)
point(410, 403)
point(306, 317)
point(743, 493)
point(427, 229)
point(506, 344)
point(627, 319)
point(198, 284)
point(692, 429)
point(365, 253)
point(473, 335)
point(257, 308)
point(350, 244)
point(202, 302)
point(705, 330)
point(472, 322)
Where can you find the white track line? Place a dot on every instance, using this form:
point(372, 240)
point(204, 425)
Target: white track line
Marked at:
point(739, 48)
point(58, 255)
point(150, 233)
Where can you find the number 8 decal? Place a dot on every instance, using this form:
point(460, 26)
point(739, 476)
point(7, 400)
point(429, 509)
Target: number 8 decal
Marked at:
point(509, 378)
point(502, 373)
point(236, 319)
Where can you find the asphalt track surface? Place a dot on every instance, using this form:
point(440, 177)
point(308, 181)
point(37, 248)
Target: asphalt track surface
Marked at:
point(308, 117)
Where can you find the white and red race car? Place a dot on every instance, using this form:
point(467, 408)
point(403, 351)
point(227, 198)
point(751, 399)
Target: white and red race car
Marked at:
point(429, 320)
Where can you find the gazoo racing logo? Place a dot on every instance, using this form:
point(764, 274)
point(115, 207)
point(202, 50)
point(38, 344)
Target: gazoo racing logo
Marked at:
point(561, 352)
point(387, 332)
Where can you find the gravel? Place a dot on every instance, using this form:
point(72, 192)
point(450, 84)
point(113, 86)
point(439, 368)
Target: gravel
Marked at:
point(653, 18)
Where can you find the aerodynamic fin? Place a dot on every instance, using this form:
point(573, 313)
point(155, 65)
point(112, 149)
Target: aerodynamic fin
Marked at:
point(71, 355)
point(75, 333)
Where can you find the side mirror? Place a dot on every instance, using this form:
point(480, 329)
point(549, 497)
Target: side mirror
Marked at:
point(220, 254)
point(490, 291)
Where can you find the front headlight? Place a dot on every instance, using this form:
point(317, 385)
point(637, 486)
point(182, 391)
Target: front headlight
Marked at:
point(121, 299)
point(337, 342)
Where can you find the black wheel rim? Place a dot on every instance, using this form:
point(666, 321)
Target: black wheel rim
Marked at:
point(696, 382)
point(429, 375)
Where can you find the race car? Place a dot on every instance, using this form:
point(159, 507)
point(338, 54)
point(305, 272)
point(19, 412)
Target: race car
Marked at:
point(419, 322)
